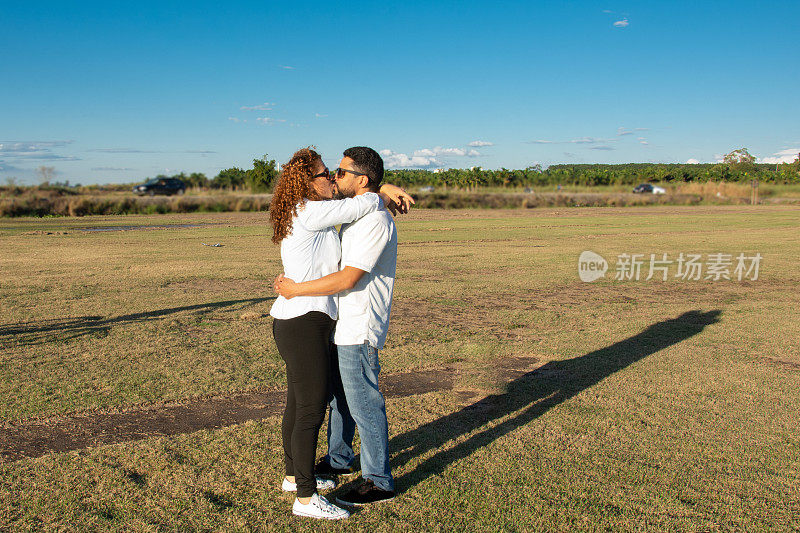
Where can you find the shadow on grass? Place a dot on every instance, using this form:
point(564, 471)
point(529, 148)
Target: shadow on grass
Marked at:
point(28, 333)
point(534, 393)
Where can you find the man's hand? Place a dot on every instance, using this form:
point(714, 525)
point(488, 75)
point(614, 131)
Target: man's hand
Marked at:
point(284, 286)
point(401, 200)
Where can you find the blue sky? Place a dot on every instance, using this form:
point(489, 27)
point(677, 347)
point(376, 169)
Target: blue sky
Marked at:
point(116, 93)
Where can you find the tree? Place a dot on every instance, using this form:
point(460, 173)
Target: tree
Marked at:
point(230, 178)
point(795, 165)
point(791, 171)
point(740, 161)
point(260, 177)
point(196, 179)
point(45, 174)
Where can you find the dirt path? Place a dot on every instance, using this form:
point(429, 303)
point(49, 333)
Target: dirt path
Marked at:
point(37, 437)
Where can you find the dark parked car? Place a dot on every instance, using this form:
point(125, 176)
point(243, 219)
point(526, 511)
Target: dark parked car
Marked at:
point(648, 188)
point(166, 186)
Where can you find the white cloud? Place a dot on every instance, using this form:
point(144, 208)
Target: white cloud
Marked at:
point(137, 151)
point(590, 140)
point(395, 160)
point(124, 151)
point(580, 140)
point(425, 157)
point(270, 120)
point(784, 156)
point(641, 129)
point(28, 147)
point(111, 169)
point(34, 150)
point(266, 106)
point(478, 144)
point(692, 161)
point(621, 23)
point(439, 151)
point(602, 147)
point(319, 115)
point(52, 157)
point(458, 152)
point(286, 67)
point(642, 140)
point(789, 151)
point(623, 131)
point(234, 119)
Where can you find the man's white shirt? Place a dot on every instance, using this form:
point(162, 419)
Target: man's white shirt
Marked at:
point(369, 244)
point(312, 250)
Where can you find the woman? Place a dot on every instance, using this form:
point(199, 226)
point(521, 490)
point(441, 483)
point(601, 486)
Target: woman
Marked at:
point(310, 249)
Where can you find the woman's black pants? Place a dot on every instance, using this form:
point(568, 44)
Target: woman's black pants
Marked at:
point(304, 344)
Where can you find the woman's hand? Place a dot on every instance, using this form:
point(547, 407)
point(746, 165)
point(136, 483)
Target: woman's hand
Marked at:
point(284, 286)
point(400, 199)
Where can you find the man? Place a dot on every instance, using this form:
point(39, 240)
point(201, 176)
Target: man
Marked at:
point(365, 282)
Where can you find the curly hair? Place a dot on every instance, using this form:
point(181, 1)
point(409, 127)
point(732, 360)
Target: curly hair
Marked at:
point(292, 190)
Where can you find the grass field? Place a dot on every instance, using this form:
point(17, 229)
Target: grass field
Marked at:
point(665, 406)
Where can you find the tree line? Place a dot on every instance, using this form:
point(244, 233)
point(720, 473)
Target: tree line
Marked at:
point(593, 174)
point(258, 179)
point(737, 166)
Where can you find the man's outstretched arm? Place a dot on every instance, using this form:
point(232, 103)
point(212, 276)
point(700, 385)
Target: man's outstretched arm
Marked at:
point(342, 280)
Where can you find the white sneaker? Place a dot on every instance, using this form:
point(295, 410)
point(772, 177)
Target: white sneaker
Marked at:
point(322, 484)
point(319, 507)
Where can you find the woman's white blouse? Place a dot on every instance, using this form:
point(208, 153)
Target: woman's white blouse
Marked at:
point(313, 250)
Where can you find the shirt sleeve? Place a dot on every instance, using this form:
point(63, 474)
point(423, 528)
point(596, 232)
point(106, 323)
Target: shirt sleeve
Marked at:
point(372, 237)
point(318, 215)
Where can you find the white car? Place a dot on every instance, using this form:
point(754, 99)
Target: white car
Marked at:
point(649, 188)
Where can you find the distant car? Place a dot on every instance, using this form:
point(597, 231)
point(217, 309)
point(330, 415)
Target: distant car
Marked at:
point(168, 186)
point(648, 188)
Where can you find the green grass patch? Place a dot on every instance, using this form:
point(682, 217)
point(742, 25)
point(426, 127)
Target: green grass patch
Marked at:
point(658, 405)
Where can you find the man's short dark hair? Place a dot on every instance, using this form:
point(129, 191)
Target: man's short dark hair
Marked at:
point(369, 162)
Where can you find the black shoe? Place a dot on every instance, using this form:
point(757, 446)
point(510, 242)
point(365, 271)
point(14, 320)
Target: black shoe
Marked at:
point(364, 494)
point(323, 469)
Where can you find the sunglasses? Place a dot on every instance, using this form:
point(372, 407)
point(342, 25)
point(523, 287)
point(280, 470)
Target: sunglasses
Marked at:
point(325, 173)
point(340, 172)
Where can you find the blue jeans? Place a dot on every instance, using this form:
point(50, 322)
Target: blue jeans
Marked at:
point(358, 402)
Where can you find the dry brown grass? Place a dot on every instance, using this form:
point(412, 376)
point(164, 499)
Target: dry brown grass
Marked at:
point(53, 203)
point(716, 189)
point(20, 202)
